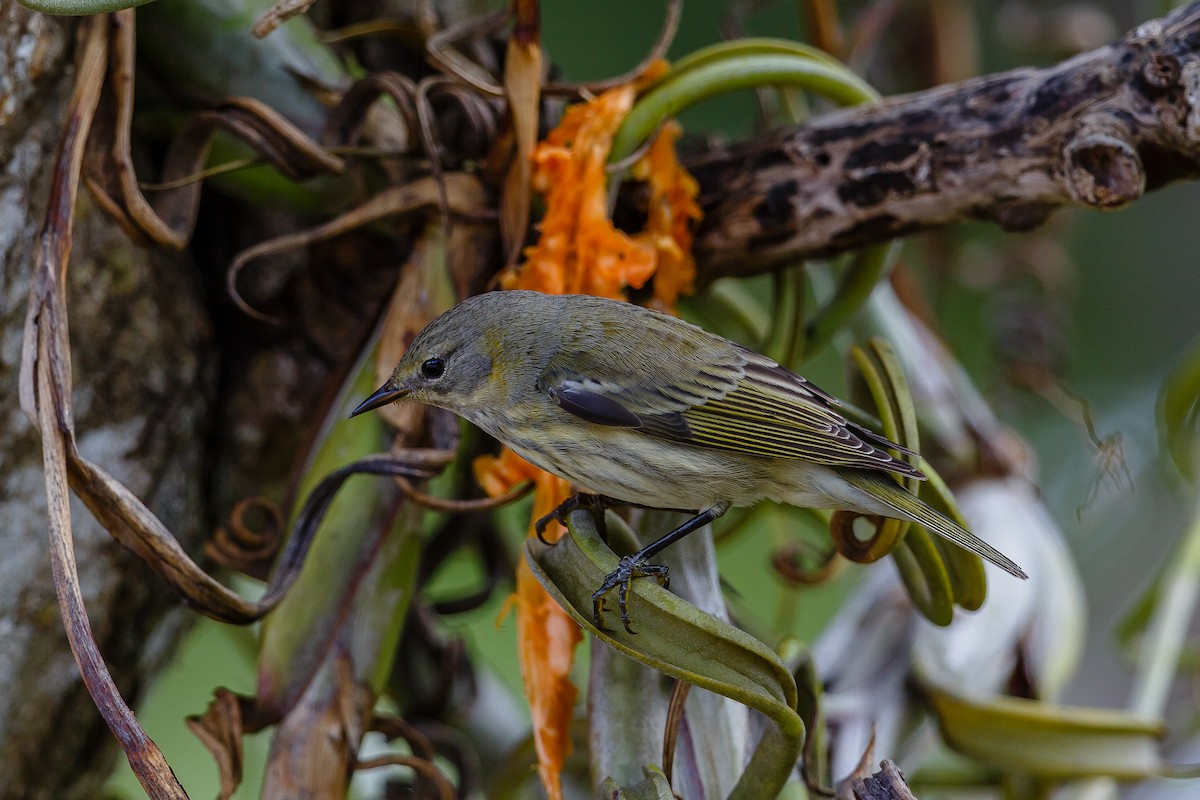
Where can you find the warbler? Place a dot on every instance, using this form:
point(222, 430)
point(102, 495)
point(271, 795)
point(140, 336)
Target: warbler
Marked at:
point(650, 410)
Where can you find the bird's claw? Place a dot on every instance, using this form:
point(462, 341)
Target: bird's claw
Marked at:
point(620, 579)
point(594, 502)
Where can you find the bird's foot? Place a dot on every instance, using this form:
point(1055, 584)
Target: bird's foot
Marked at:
point(630, 567)
point(596, 503)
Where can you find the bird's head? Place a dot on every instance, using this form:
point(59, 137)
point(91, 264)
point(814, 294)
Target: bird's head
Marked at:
point(450, 364)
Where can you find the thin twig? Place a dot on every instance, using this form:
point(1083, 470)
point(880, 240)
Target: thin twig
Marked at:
point(438, 49)
point(462, 506)
point(426, 769)
point(679, 695)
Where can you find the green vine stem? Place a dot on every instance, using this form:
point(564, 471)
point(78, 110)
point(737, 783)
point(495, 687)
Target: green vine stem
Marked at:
point(730, 67)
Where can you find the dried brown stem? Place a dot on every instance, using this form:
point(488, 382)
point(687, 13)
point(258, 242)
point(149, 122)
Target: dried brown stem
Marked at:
point(1096, 131)
point(435, 503)
point(887, 784)
point(46, 398)
point(679, 696)
point(277, 14)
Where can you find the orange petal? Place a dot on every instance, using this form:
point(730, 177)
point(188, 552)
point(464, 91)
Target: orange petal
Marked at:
point(546, 635)
point(579, 250)
point(499, 474)
point(672, 213)
point(546, 639)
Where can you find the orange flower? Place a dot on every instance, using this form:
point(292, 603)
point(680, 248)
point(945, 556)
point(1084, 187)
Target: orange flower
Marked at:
point(580, 252)
point(546, 636)
point(672, 211)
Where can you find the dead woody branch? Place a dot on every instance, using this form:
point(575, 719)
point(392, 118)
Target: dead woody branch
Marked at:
point(1096, 131)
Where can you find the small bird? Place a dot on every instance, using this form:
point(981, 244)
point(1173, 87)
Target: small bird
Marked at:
point(647, 409)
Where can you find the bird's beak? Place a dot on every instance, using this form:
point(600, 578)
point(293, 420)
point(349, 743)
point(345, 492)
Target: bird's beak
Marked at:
point(383, 395)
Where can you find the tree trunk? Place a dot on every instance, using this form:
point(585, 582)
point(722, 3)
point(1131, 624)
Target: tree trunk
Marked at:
point(143, 369)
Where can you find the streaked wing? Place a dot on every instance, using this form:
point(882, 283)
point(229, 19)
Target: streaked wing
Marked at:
point(774, 412)
point(693, 387)
point(668, 367)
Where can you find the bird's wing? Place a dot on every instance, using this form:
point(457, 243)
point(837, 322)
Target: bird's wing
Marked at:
point(775, 412)
point(669, 368)
point(702, 390)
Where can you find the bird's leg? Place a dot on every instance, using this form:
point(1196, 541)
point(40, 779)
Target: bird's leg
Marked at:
point(635, 566)
point(596, 503)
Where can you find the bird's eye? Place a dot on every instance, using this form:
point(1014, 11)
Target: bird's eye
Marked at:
point(433, 368)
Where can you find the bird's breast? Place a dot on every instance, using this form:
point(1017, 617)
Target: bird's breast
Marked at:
point(631, 465)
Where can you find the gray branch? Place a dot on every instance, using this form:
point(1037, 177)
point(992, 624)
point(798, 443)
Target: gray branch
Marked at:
point(1096, 131)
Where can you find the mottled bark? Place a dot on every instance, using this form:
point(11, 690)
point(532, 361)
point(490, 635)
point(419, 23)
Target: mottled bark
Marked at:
point(887, 784)
point(1095, 131)
point(142, 390)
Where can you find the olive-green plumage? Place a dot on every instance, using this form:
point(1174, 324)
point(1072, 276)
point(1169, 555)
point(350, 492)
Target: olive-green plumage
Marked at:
point(649, 409)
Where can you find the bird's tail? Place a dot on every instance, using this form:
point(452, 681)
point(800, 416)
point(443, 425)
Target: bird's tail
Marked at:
point(907, 506)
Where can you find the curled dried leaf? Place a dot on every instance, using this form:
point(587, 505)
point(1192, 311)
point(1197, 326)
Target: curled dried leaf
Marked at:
point(522, 85)
point(860, 549)
point(243, 548)
point(347, 119)
point(45, 391)
point(463, 194)
point(170, 219)
point(800, 565)
point(393, 727)
point(220, 729)
point(426, 769)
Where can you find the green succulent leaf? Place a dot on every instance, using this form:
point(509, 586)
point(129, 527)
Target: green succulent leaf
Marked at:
point(1046, 740)
point(80, 7)
point(677, 639)
point(727, 67)
point(936, 574)
point(673, 636)
point(295, 635)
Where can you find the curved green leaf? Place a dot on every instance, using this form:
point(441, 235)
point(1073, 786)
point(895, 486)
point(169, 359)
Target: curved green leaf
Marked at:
point(709, 761)
point(362, 559)
point(673, 636)
point(854, 287)
point(748, 46)
point(295, 636)
point(81, 7)
point(1049, 741)
point(732, 66)
point(937, 574)
point(679, 640)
